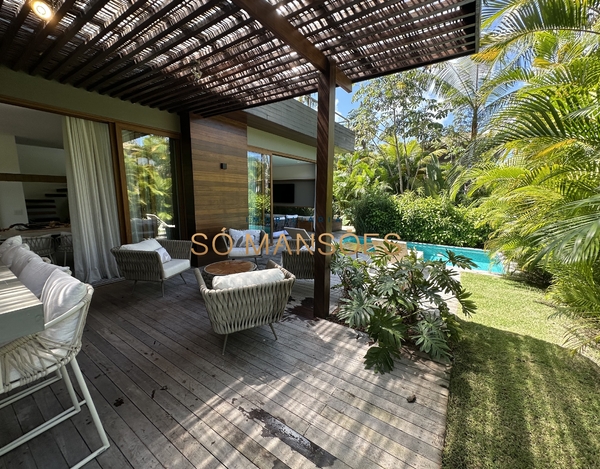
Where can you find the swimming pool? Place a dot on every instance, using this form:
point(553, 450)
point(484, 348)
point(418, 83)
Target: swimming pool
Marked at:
point(434, 252)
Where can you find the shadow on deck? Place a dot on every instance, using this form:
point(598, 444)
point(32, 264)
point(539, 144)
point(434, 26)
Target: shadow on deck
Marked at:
point(168, 398)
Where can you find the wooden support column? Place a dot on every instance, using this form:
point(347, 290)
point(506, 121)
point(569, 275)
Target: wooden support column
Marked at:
point(324, 187)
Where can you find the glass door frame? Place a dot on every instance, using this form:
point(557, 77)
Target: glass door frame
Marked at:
point(121, 176)
point(271, 154)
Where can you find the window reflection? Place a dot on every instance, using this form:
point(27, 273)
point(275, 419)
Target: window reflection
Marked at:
point(148, 169)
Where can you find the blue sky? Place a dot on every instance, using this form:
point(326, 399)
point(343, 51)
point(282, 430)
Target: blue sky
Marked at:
point(343, 100)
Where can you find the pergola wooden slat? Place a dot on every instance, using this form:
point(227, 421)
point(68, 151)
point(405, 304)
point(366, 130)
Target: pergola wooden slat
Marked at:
point(150, 45)
point(210, 57)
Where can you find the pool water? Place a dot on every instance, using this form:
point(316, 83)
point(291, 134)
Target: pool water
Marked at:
point(434, 252)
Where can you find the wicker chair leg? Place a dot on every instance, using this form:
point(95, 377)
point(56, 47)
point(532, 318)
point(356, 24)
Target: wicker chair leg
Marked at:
point(65, 258)
point(224, 344)
point(181, 275)
point(162, 285)
point(273, 330)
point(134, 284)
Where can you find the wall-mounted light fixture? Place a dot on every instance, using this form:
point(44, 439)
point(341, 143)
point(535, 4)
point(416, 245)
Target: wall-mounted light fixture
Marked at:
point(223, 165)
point(45, 9)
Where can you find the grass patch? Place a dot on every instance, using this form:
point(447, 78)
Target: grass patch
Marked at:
point(518, 399)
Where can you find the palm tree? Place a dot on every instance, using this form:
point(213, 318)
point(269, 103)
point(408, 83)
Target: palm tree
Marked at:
point(544, 176)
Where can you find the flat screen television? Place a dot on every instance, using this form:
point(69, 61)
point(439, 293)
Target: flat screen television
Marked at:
point(283, 193)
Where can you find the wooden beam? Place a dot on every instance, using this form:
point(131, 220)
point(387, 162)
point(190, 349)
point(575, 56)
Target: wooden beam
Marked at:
point(324, 187)
point(73, 29)
point(267, 15)
point(32, 178)
point(99, 80)
point(71, 77)
point(123, 87)
point(83, 48)
point(41, 34)
point(11, 31)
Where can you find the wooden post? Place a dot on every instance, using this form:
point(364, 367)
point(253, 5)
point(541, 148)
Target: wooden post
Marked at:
point(324, 187)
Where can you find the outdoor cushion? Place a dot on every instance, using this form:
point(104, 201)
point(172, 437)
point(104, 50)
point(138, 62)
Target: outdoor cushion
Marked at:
point(10, 242)
point(36, 272)
point(175, 266)
point(146, 245)
point(239, 237)
point(243, 252)
point(17, 256)
point(244, 279)
point(60, 293)
point(164, 255)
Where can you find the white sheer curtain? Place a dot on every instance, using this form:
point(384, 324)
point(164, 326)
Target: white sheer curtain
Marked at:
point(92, 199)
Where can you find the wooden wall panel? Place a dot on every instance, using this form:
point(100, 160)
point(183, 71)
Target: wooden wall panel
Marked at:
point(220, 195)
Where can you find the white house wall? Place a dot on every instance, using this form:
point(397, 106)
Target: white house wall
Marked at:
point(19, 86)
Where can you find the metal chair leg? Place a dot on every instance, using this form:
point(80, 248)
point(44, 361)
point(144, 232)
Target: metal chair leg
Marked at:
point(224, 344)
point(181, 275)
point(93, 412)
point(273, 330)
point(162, 285)
point(67, 414)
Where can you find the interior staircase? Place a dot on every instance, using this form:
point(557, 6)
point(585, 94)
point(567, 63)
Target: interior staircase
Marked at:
point(47, 208)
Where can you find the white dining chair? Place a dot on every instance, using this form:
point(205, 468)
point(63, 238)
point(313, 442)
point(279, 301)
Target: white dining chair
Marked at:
point(28, 359)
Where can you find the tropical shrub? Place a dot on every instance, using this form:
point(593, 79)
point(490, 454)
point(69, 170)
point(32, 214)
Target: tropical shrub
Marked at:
point(401, 302)
point(374, 212)
point(439, 221)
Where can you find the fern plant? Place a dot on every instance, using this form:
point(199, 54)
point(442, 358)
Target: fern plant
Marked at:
point(401, 301)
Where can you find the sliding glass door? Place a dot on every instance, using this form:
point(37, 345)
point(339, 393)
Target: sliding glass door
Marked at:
point(148, 161)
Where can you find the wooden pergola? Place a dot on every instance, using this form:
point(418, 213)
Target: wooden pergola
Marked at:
point(210, 57)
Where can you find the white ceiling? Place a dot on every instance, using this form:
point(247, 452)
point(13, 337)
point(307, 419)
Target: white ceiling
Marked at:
point(31, 127)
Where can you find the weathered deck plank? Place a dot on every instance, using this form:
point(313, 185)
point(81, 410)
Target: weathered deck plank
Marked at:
point(168, 398)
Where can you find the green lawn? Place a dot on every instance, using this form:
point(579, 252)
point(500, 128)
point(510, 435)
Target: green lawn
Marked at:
point(518, 400)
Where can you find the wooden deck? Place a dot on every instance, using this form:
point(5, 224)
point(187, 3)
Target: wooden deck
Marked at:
point(169, 399)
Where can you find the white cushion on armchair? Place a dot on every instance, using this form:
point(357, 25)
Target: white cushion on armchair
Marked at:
point(147, 245)
point(244, 279)
point(175, 267)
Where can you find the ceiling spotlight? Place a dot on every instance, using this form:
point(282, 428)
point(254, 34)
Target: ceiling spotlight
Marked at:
point(45, 9)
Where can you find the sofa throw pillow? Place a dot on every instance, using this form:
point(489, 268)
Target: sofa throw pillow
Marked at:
point(60, 293)
point(258, 277)
point(147, 245)
point(11, 254)
point(21, 260)
point(237, 237)
point(164, 255)
point(9, 243)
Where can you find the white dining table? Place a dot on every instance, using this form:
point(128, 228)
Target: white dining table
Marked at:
point(21, 313)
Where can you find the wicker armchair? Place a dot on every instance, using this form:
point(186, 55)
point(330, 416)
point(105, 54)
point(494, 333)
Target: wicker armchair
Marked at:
point(36, 356)
point(242, 252)
point(237, 309)
point(301, 264)
point(64, 244)
point(147, 265)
